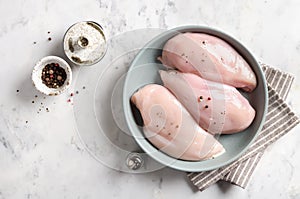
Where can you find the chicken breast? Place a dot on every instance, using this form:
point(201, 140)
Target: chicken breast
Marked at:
point(209, 57)
point(170, 128)
point(218, 108)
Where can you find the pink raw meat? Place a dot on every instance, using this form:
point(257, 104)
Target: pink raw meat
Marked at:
point(218, 108)
point(169, 127)
point(209, 57)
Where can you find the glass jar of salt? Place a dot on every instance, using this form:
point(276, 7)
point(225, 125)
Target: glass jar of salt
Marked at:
point(85, 43)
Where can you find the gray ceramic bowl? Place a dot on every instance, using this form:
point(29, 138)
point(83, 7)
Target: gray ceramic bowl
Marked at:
point(144, 70)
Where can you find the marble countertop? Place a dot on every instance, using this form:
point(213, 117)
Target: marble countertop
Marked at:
point(41, 155)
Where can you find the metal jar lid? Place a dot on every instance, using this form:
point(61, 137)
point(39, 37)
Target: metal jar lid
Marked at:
point(134, 161)
point(85, 43)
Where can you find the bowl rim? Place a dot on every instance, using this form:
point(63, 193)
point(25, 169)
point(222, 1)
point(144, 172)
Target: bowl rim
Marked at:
point(207, 30)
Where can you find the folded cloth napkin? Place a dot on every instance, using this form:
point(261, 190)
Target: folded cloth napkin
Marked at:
point(280, 119)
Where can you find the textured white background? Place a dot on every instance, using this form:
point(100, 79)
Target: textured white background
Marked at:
point(44, 157)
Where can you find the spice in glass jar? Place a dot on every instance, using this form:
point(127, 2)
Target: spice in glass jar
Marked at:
point(53, 76)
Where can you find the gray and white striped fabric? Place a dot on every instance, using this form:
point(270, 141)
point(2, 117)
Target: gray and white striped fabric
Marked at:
point(280, 119)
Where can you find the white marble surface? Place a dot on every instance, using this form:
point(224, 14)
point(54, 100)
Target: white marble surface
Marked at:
point(44, 157)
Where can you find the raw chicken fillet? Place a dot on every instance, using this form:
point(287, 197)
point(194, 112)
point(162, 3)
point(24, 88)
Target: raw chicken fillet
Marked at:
point(170, 128)
point(218, 108)
point(209, 57)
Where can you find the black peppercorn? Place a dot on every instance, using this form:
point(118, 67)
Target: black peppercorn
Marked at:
point(53, 76)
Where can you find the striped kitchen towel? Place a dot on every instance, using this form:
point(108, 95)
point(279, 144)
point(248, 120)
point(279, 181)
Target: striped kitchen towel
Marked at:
point(280, 119)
